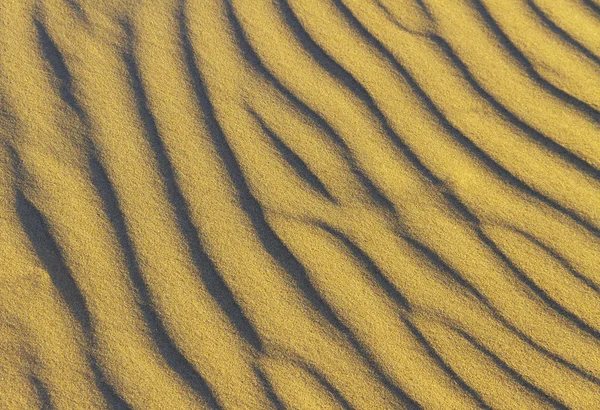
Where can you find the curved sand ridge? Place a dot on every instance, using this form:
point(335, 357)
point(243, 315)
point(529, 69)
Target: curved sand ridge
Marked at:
point(303, 204)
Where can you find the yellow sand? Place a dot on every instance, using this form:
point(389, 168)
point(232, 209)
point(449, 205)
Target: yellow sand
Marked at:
point(299, 204)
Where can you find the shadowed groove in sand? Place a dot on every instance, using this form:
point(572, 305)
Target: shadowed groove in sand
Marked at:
point(254, 61)
point(562, 33)
point(539, 292)
point(513, 373)
point(58, 67)
point(167, 348)
point(470, 146)
point(42, 393)
point(111, 397)
point(36, 227)
point(297, 164)
point(458, 64)
point(211, 278)
point(441, 363)
point(520, 58)
point(251, 206)
point(335, 393)
point(370, 266)
point(337, 71)
point(257, 64)
point(45, 230)
point(581, 277)
point(268, 388)
point(592, 6)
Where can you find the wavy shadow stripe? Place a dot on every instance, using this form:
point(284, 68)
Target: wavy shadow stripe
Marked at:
point(440, 264)
point(58, 67)
point(327, 63)
point(335, 393)
point(400, 299)
point(544, 351)
point(111, 397)
point(42, 393)
point(37, 229)
point(592, 6)
point(562, 261)
point(297, 164)
point(530, 387)
point(268, 389)
point(534, 134)
point(314, 372)
point(452, 199)
point(424, 7)
point(319, 122)
point(253, 209)
point(446, 368)
point(436, 260)
point(520, 58)
point(371, 267)
point(252, 58)
point(373, 192)
point(212, 279)
point(249, 204)
point(531, 132)
point(166, 347)
point(562, 33)
point(464, 140)
point(539, 292)
point(79, 11)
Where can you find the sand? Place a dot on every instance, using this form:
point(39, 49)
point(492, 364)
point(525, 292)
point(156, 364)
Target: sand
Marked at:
point(299, 204)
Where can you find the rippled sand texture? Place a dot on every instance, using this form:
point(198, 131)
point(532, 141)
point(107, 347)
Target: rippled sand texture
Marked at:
point(300, 204)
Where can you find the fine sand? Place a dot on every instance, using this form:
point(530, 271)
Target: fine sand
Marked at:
point(299, 204)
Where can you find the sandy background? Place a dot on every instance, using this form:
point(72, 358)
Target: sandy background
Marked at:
point(299, 204)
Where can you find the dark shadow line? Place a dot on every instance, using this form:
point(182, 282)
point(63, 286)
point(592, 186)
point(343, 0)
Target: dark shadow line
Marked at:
point(566, 264)
point(299, 166)
point(257, 64)
point(249, 204)
point(371, 267)
point(526, 339)
point(335, 393)
point(562, 33)
point(539, 292)
point(268, 389)
point(111, 397)
point(36, 227)
point(534, 134)
point(167, 348)
point(460, 137)
point(42, 392)
point(58, 68)
point(439, 360)
point(516, 54)
point(420, 3)
point(253, 210)
point(373, 192)
point(593, 6)
point(78, 10)
point(254, 60)
point(461, 208)
point(439, 263)
point(212, 279)
point(522, 336)
point(536, 391)
point(425, 8)
point(328, 64)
